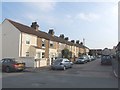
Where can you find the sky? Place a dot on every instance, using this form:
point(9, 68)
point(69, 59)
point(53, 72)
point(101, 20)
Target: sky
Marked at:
point(96, 22)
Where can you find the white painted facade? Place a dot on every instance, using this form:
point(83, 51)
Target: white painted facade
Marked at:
point(86, 51)
point(61, 47)
point(16, 44)
point(10, 40)
point(27, 47)
point(52, 54)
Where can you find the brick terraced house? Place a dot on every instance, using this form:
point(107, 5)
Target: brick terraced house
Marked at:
point(33, 46)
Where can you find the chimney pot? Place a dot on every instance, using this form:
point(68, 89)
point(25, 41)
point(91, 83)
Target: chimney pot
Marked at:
point(51, 31)
point(61, 36)
point(35, 26)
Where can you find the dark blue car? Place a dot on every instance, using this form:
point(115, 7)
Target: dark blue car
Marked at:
point(106, 60)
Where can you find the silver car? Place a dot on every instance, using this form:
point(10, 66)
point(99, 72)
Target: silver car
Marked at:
point(81, 60)
point(61, 63)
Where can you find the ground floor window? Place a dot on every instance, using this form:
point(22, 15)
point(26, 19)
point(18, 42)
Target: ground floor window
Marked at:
point(43, 55)
point(27, 54)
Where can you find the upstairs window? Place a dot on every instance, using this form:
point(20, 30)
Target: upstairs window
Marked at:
point(27, 40)
point(43, 43)
point(51, 44)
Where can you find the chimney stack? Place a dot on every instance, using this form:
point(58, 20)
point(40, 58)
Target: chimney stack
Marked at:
point(81, 43)
point(51, 31)
point(77, 41)
point(66, 38)
point(73, 41)
point(61, 36)
point(35, 26)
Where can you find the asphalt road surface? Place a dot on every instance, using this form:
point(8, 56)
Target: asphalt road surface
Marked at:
point(89, 75)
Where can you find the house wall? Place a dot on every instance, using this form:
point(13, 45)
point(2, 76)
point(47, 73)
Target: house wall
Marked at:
point(77, 51)
point(61, 46)
point(82, 50)
point(87, 51)
point(52, 54)
point(47, 49)
point(73, 51)
point(10, 40)
point(26, 47)
point(39, 42)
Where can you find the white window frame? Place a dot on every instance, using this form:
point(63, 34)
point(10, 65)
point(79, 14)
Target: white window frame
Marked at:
point(43, 56)
point(51, 42)
point(43, 42)
point(27, 40)
point(27, 54)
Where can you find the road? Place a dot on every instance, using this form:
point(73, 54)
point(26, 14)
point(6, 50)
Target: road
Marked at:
point(89, 75)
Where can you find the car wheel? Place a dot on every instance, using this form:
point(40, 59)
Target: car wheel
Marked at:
point(64, 68)
point(71, 66)
point(7, 69)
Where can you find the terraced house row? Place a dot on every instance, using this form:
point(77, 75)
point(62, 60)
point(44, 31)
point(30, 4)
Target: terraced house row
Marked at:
point(33, 46)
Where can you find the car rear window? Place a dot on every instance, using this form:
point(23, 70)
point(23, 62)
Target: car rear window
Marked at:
point(81, 58)
point(105, 57)
point(57, 61)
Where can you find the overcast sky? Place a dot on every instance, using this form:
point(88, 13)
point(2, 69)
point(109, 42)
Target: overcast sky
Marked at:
point(96, 22)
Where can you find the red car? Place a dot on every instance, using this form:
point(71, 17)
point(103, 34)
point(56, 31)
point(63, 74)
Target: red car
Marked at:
point(9, 64)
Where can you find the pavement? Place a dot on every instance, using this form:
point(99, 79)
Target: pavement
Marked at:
point(31, 69)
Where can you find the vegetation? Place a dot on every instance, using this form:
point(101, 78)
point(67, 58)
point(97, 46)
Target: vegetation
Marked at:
point(66, 53)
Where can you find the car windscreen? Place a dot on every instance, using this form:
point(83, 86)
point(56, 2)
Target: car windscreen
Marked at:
point(105, 57)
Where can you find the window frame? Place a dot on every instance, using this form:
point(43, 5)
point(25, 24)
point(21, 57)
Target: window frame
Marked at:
point(27, 40)
point(51, 44)
point(43, 54)
point(43, 43)
point(27, 54)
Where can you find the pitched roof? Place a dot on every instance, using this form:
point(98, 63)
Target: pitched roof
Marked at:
point(41, 34)
point(29, 30)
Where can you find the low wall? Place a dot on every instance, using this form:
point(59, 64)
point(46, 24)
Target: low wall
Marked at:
point(29, 61)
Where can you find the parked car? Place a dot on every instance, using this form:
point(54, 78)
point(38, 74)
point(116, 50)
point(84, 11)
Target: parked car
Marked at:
point(61, 63)
point(106, 60)
point(81, 60)
point(88, 58)
point(92, 58)
point(10, 64)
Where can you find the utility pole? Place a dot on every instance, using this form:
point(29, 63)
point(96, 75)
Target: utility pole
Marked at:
point(83, 41)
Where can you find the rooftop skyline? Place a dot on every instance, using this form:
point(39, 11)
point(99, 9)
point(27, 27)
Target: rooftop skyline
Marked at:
point(96, 22)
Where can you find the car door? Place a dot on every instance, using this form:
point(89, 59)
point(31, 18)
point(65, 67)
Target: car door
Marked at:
point(68, 63)
point(4, 64)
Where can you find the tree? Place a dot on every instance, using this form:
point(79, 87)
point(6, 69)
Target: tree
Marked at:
point(66, 53)
point(79, 54)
